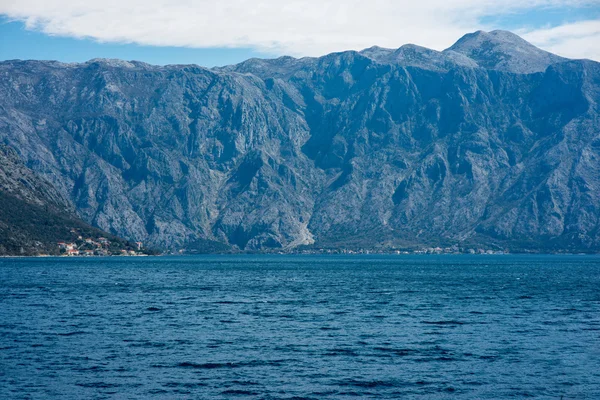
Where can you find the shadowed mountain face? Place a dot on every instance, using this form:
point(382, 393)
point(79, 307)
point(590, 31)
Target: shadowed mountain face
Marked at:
point(34, 216)
point(491, 141)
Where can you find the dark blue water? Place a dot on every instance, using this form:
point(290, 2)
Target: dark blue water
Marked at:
point(305, 327)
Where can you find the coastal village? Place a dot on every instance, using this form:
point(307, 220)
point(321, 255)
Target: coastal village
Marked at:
point(90, 246)
point(101, 246)
point(425, 250)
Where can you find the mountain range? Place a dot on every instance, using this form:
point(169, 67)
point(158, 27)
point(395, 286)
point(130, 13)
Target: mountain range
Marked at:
point(490, 143)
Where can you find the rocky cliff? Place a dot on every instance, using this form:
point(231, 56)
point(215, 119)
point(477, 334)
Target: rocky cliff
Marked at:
point(492, 141)
point(34, 216)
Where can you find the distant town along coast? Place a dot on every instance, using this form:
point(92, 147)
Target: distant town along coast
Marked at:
point(101, 247)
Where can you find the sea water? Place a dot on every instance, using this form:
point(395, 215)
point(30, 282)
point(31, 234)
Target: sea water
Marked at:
point(280, 327)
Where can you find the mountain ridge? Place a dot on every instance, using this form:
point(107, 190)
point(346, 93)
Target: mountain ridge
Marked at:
point(461, 47)
point(419, 148)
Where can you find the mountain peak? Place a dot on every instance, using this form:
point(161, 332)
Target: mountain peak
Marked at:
point(504, 51)
point(376, 49)
point(496, 37)
point(412, 55)
point(112, 62)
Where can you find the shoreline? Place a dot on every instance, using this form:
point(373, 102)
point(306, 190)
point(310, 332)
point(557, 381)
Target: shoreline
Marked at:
point(302, 254)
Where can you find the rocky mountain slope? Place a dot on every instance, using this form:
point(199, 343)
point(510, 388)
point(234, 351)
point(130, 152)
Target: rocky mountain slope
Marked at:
point(491, 142)
point(33, 215)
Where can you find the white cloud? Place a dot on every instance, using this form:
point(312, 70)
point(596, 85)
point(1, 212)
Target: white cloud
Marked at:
point(295, 27)
point(575, 40)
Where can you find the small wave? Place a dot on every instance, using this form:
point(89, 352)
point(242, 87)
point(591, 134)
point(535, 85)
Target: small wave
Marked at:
point(240, 392)
point(351, 394)
point(245, 383)
point(91, 369)
point(473, 383)
point(341, 352)
point(153, 309)
point(489, 358)
point(98, 385)
point(450, 322)
point(147, 344)
point(433, 359)
point(206, 365)
point(187, 385)
point(39, 305)
point(447, 359)
point(158, 391)
point(367, 384)
point(72, 333)
point(212, 365)
point(397, 352)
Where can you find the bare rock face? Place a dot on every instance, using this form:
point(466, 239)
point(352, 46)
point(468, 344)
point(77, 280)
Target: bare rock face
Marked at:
point(34, 216)
point(504, 51)
point(20, 182)
point(492, 141)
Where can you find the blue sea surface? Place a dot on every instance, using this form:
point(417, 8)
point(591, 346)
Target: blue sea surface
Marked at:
point(281, 327)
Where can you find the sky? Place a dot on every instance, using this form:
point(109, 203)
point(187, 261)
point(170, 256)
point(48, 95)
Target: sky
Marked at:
point(211, 33)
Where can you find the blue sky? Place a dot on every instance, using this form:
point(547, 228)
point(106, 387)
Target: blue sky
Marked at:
point(20, 43)
point(209, 33)
point(540, 17)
